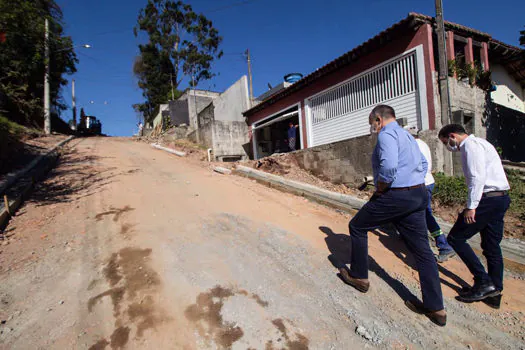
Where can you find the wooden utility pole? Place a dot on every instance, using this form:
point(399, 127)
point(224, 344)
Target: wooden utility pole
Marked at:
point(249, 61)
point(172, 92)
point(74, 104)
point(47, 102)
point(443, 65)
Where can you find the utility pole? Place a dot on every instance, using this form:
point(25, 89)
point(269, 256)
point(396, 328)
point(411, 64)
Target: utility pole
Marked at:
point(47, 102)
point(74, 104)
point(172, 92)
point(249, 61)
point(443, 65)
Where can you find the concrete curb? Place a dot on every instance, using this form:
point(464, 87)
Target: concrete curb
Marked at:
point(24, 183)
point(13, 177)
point(513, 250)
point(169, 150)
point(221, 170)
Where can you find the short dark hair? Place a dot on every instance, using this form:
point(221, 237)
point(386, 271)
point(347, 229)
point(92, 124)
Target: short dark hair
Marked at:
point(384, 111)
point(451, 128)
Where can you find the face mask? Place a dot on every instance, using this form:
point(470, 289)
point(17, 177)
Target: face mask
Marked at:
point(452, 147)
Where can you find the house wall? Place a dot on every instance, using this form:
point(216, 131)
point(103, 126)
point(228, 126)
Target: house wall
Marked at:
point(179, 112)
point(423, 36)
point(207, 114)
point(232, 102)
point(203, 135)
point(197, 100)
point(229, 138)
point(509, 92)
point(464, 97)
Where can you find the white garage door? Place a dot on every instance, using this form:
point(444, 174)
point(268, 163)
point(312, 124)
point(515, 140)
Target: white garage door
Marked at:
point(342, 112)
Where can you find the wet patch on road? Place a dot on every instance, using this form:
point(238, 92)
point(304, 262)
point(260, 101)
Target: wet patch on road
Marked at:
point(100, 345)
point(116, 212)
point(133, 285)
point(300, 344)
point(207, 316)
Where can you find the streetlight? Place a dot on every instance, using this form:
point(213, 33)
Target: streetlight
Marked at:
point(47, 99)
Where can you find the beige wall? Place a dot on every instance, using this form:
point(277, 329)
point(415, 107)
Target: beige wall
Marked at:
point(509, 93)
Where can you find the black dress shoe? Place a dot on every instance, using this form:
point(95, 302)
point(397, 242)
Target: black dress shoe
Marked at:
point(479, 292)
point(493, 302)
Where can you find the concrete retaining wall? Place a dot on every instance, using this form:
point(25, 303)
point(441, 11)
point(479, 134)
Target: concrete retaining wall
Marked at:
point(340, 162)
point(229, 138)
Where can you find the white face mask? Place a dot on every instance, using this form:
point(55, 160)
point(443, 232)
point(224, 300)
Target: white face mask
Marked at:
point(452, 147)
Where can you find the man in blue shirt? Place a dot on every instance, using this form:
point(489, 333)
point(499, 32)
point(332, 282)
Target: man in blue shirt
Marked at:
point(400, 198)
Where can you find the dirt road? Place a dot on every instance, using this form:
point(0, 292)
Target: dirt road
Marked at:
point(124, 246)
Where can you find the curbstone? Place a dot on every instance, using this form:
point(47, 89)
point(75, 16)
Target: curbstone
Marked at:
point(222, 170)
point(169, 150)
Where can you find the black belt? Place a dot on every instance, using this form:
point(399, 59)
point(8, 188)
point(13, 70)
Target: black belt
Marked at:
point(494, 194)
point(406, 188)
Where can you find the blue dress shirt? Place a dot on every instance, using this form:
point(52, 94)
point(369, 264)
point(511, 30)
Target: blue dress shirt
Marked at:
point(397, 159)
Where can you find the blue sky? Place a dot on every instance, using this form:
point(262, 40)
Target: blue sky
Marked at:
point(283, 36)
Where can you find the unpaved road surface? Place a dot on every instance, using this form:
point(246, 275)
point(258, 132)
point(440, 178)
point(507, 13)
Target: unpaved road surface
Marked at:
point(128, 247)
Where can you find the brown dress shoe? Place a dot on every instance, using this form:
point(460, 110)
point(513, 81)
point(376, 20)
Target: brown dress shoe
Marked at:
point(439, 317)
point(361, 285)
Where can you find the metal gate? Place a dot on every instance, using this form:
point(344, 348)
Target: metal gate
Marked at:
point(342, 112)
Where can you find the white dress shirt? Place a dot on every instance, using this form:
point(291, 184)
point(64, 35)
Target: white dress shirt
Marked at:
point(423, 147)
point(482, 168)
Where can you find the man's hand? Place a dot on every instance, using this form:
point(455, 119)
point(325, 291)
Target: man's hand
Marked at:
point(382, 187)
point(469, 215)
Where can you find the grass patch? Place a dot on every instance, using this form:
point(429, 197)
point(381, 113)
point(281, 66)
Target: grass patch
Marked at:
point(452, 190)
point(9, 129)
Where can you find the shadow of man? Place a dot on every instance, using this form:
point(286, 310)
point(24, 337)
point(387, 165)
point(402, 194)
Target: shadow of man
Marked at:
point(340, 247)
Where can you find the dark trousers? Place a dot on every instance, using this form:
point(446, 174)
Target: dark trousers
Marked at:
point(433, 227)
point(406, 210)
point(489, 222)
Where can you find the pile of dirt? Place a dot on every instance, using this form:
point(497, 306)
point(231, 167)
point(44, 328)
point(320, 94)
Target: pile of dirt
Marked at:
point(286, 165)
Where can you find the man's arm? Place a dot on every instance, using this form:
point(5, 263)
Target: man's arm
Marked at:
point(475, 175)
point(388, 160)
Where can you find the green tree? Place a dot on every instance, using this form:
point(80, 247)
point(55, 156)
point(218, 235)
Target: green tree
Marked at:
point(181, 43)
point(22, 60)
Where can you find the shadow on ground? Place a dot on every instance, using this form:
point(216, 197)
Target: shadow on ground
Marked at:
point(340, 247)
point(75, 176)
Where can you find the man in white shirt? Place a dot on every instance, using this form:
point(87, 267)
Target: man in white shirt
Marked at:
point(444, 249)
point(487, 202)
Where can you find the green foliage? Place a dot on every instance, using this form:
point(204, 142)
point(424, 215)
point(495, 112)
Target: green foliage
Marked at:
point(181, 43)
point(22, 59)
point(449, 190)
point(473, 71)
point(452, 190)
